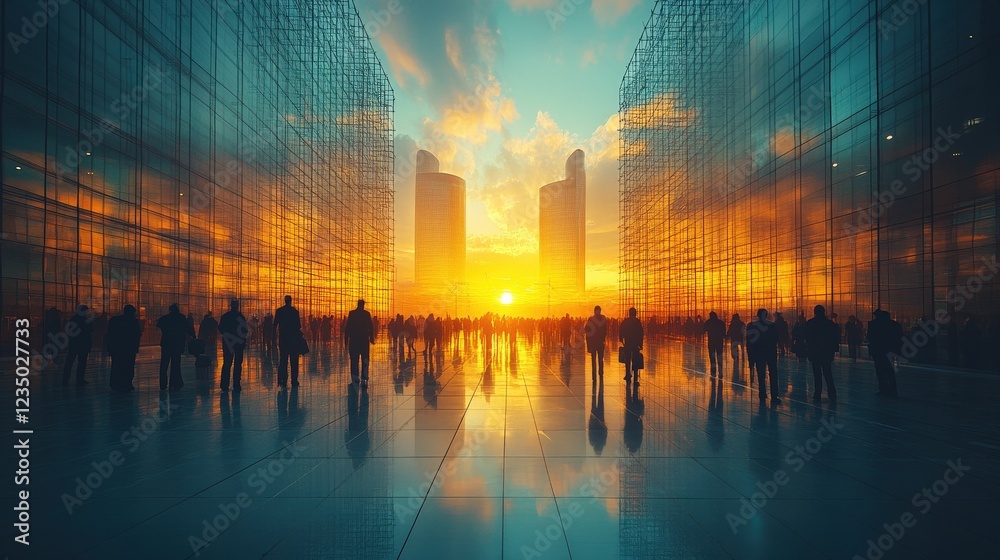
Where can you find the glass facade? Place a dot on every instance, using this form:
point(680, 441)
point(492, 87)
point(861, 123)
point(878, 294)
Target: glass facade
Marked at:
point(783, 154)
point(439, 239)
point(562, 229)
point(191, 152)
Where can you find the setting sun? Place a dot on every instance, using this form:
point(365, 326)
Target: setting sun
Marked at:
point(506, 298)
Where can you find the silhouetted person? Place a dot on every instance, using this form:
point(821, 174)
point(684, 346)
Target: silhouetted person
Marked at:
point(359, 334)
point(822, 340)
point(630, 333)
point(81, 340)
point(122, 344)
point(174, 330)
point(885, 338)
point(799, 338)
point(634, 410)
point(234, 330)
point(430, 334)
point(855, 334)
point(596, 333)
point(597, 429)
point(267, 327)
point(715, 329)
point(208, 330)
point(784, 338)
point(326, 329)
point(762, 347)
point(736, 335)
point(566, 330)
point(288, 331)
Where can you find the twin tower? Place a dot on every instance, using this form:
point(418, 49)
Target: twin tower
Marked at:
point(439, 240)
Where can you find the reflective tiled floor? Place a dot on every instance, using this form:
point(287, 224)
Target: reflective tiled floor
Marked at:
point(512, 452)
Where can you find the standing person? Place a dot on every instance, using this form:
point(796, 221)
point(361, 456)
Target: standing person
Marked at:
point(174, 330)
point(566, 330)
point(854, 333)
point(736, 336)
point(596, 333)
point(288, 331)
point(234, 330)
point(822, 339)
point(885, 337)
point(715, 329)
point(631, 333)
point(799, 337)
point(430, 334)
point(208, 330)
point(268, 328)
point(81, 340)
point(783, 336)
point(122, 344)
point(359, 334)
point(762, 348)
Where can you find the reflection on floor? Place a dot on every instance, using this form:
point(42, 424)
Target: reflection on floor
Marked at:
point(512, 452)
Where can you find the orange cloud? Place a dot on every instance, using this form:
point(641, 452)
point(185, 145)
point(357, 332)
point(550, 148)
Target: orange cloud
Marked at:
point(401, 61)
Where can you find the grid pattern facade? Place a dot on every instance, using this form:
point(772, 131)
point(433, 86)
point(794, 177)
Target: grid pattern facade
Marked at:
point(784, 154)
point(192, 152)
point(562, 228)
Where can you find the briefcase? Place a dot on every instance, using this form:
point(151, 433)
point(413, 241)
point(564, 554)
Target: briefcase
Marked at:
point(638, 361)
point(622, 357)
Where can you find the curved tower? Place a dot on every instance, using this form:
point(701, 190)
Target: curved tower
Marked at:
point(439, 236)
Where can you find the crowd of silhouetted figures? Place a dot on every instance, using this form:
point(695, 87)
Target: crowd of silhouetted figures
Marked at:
point(283, 336)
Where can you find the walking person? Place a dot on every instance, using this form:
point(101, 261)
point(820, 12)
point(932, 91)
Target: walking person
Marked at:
point(854, 331)
point(885, 337)
point(359, 334)
point(122, 344)
point(631, 334)
point(596, 333)
point(208, 331)
point(762, 348)
point(736, 335)
point(174, 332)
point(288, 331)
point(81, 339)
point(822, 340)
point(715, 329)
point(234, 330)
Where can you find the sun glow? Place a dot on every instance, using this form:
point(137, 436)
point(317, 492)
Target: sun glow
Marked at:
point(506, 298)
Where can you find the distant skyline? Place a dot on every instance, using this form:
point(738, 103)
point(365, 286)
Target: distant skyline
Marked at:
point(501, 91)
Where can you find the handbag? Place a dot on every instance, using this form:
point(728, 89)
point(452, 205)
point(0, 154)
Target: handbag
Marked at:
point(638, 361)
point(622, 357)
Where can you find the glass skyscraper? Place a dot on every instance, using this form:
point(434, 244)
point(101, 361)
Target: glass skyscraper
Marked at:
point(439, 239)
point(784, 154)
point(193, 152)
point(562, 229)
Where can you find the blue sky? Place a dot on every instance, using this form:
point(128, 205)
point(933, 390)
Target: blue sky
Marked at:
point(503, 91)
